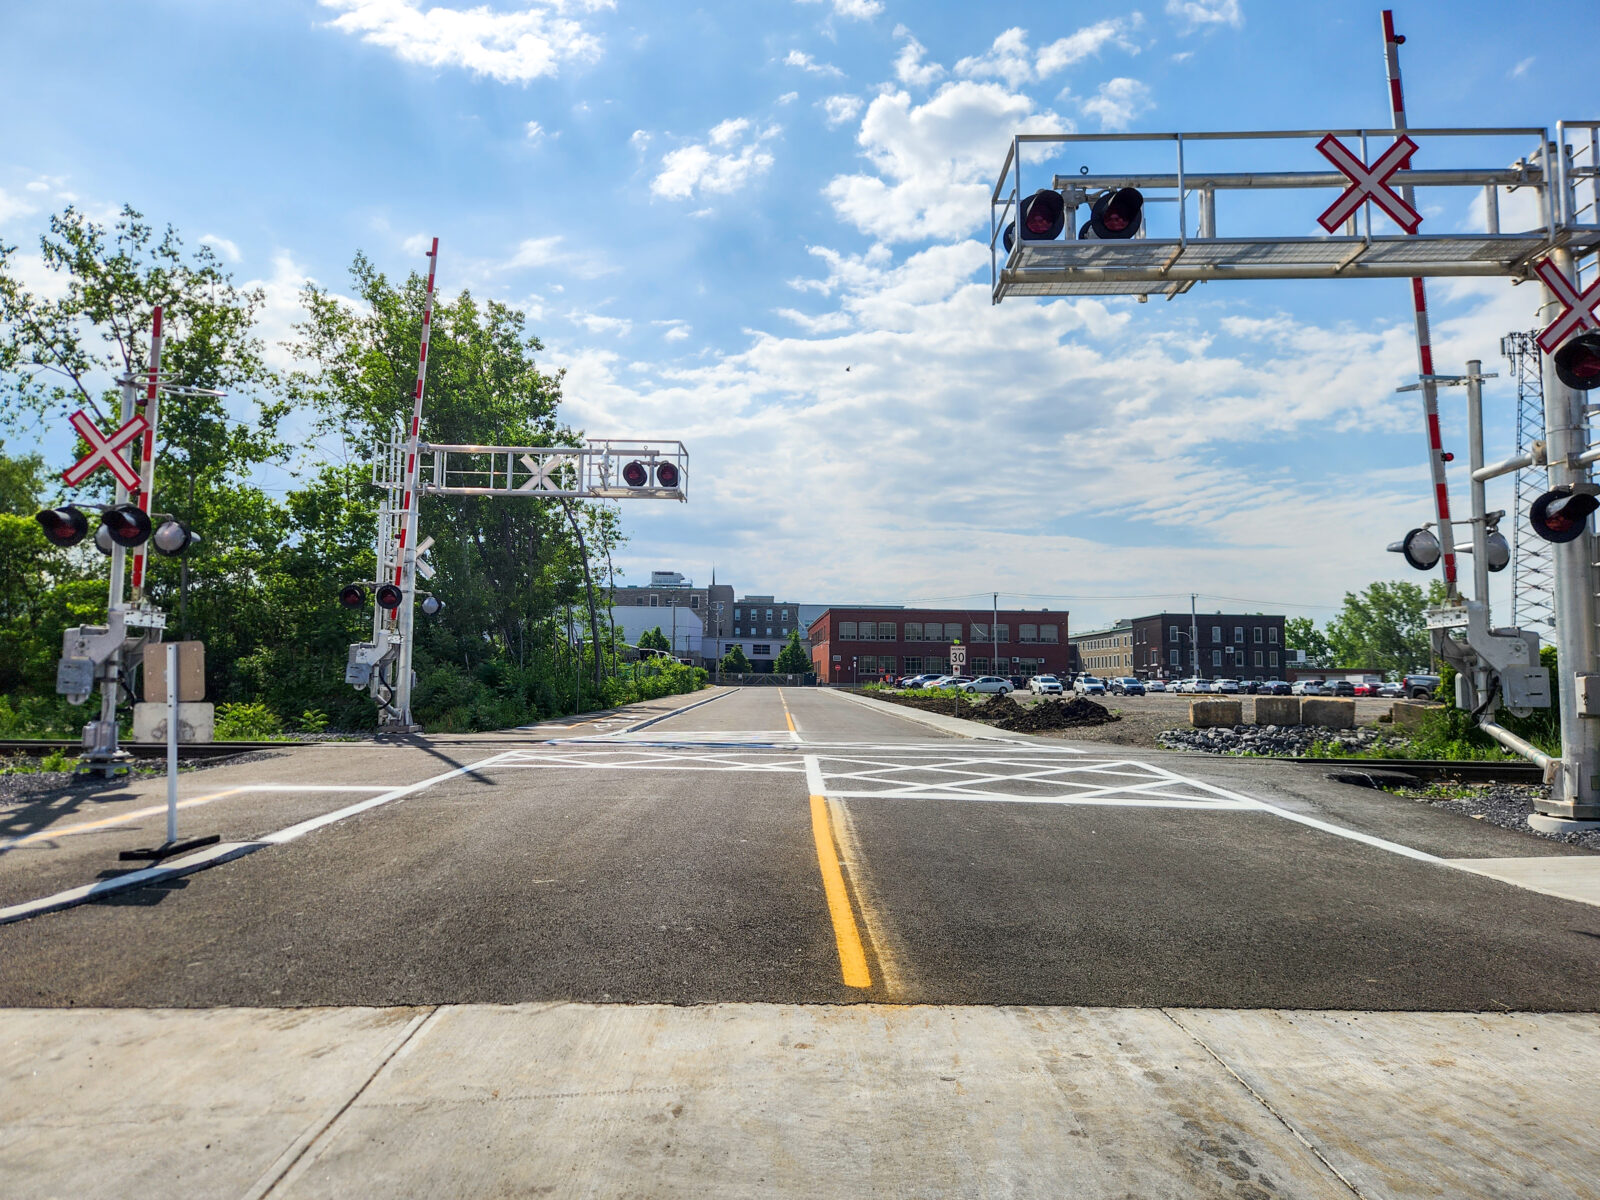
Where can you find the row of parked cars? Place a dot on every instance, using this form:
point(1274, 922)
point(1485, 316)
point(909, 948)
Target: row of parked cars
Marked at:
point(1416, 686)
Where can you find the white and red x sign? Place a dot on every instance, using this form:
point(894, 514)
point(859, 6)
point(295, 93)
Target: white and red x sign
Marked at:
point(1579, 311)
point(104, 451)
point(1369, 183)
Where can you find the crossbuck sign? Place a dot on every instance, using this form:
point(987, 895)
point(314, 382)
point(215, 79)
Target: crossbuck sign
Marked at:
point(1579, 311)
point(1368, 183)
point(104, 451)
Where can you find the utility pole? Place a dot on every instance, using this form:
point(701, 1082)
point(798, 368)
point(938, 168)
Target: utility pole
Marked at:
point(1194, 639)
point(994, 632)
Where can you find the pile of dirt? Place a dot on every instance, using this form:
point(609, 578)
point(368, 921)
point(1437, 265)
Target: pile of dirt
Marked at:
point(945, 703)
point(1046, 715)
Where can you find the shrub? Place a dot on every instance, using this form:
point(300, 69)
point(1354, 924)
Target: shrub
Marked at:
point(247, 722)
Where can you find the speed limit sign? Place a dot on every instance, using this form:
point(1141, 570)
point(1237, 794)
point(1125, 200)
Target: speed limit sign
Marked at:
point(958, 657)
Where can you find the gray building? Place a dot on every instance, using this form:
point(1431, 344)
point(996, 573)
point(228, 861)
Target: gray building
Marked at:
point(668, 589)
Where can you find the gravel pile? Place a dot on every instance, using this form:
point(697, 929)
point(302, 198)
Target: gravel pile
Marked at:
point(1290, 741)
point(1507, 805)
point(1075, 713)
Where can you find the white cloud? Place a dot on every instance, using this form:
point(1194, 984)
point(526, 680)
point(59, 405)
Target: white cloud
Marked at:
point(701, 167)
point(836, 110)
point(1199, 14)
point(909, 68)
point(640, 140)
point(674, 330)
point(1521, 69)
point(933, 160)
point(855, 10)
point(1119, 102)
point(510, 47)
point(798, 58)
point(597, 323)
point(534, 132)
point(12, 207)
point(788, 97)
point(550, 252)
point(1011, 58)
point(229, 250)
point(831, 322)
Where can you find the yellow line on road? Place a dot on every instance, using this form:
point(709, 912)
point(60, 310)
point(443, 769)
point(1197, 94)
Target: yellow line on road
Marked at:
point(787, 715)
point(852, 955)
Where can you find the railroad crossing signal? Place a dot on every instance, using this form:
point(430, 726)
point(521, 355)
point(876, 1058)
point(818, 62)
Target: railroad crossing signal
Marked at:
point(1420, 547)
point(1114, 216)
point(105, 451)
point(1044, 217)
point(1579, 311)
point(1368, 183)
point(1562, 513)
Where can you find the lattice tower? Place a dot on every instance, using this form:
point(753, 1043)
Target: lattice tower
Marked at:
point(1532, 571)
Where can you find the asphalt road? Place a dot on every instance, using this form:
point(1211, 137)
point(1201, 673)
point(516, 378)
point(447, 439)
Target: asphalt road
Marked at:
point(796, 845)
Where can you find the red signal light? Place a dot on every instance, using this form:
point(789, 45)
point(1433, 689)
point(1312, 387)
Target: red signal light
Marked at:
point(353, 595)
point(635, 474)
point(64, 526)
point(389, 596)
point(667, 474)
point(1561, 514)
point(127, 525)
point(1578, 362)
point(1114, 216)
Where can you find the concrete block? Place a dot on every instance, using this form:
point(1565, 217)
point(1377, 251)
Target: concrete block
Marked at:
point(197, 722)
point(1328, 712)
point(1408, 714)
point(1277, 710)
point(1214, 714)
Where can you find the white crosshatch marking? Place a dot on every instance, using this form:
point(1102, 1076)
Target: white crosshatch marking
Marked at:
point(987, 772)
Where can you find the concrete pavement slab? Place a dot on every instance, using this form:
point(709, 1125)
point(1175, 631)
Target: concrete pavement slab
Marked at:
point(1572, 878)
point(783, 1100)
point(1427, 1104)
point(151, 1103)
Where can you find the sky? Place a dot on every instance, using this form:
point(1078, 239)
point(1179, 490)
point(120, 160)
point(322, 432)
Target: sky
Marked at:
point(762, 229)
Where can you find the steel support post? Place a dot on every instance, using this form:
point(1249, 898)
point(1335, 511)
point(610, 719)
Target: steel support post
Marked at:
point(1477, 492)
point(101, 751)
point(1575, 794)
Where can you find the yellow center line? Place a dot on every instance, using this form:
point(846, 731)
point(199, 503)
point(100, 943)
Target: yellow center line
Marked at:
point(852, 955)
point(787, 715)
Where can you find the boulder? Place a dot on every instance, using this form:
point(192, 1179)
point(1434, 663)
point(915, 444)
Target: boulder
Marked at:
point(1215, 714)
point(1408, 714)
point(1328, 712)
point(1277, 710)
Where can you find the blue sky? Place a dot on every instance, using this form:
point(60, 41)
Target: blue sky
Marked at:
point(711, 212)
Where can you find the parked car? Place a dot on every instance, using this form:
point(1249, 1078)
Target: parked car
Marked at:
point(1391, 690)
point(1188, 685)
point(1088, 685)
point(1274, 687)
point(1225, 687)
point(988, 683)
point(954, 681)
point(1421, 687)
point(1155, 685)
point(1365, 688)
point(1339, 687)
point(1045, 685)
point(936, 681)
point(1127, 685)
point(1306, 687)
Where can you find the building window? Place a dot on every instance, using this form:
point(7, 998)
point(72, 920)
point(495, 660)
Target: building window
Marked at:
point(1273, 655)
point(1216, 633)
point(769, 614)
point(914, 634)
point(847, 631)
point(1238, 633)
point(1272, 636)
point(694, 601)
point(1050, 634)
point(1258, 658)
point(1216, 658)
point(1028, 633)
point(655, 601)
point(783, 614)
point(1002, 633)
point(980, 632)
point(1173, 629)
point(1174, 658)
point(765, 651)
point(913, 665)
point(738, 614)
point(1258, 635)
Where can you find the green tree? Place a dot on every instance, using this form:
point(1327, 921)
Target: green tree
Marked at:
point(21, 483)
point(792, 658)
point(1384, 626)
point(654, 639)
point(734, 662)
point(1301, 633)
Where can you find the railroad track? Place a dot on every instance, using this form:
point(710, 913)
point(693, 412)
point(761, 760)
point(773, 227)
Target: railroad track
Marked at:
point(1430, 770)
point(186, 750)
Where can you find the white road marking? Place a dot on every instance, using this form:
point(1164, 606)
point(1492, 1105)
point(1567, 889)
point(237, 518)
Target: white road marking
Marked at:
point(212, 856)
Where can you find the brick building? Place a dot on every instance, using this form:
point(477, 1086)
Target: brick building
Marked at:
point(1104, 653)
point(860, 644)
point(1227, 645)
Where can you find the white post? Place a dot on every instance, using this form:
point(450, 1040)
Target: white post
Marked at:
point(172, 742)
point(1480, 530)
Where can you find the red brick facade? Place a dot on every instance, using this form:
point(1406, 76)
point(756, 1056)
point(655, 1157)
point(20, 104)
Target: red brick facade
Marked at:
point(851, 645)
